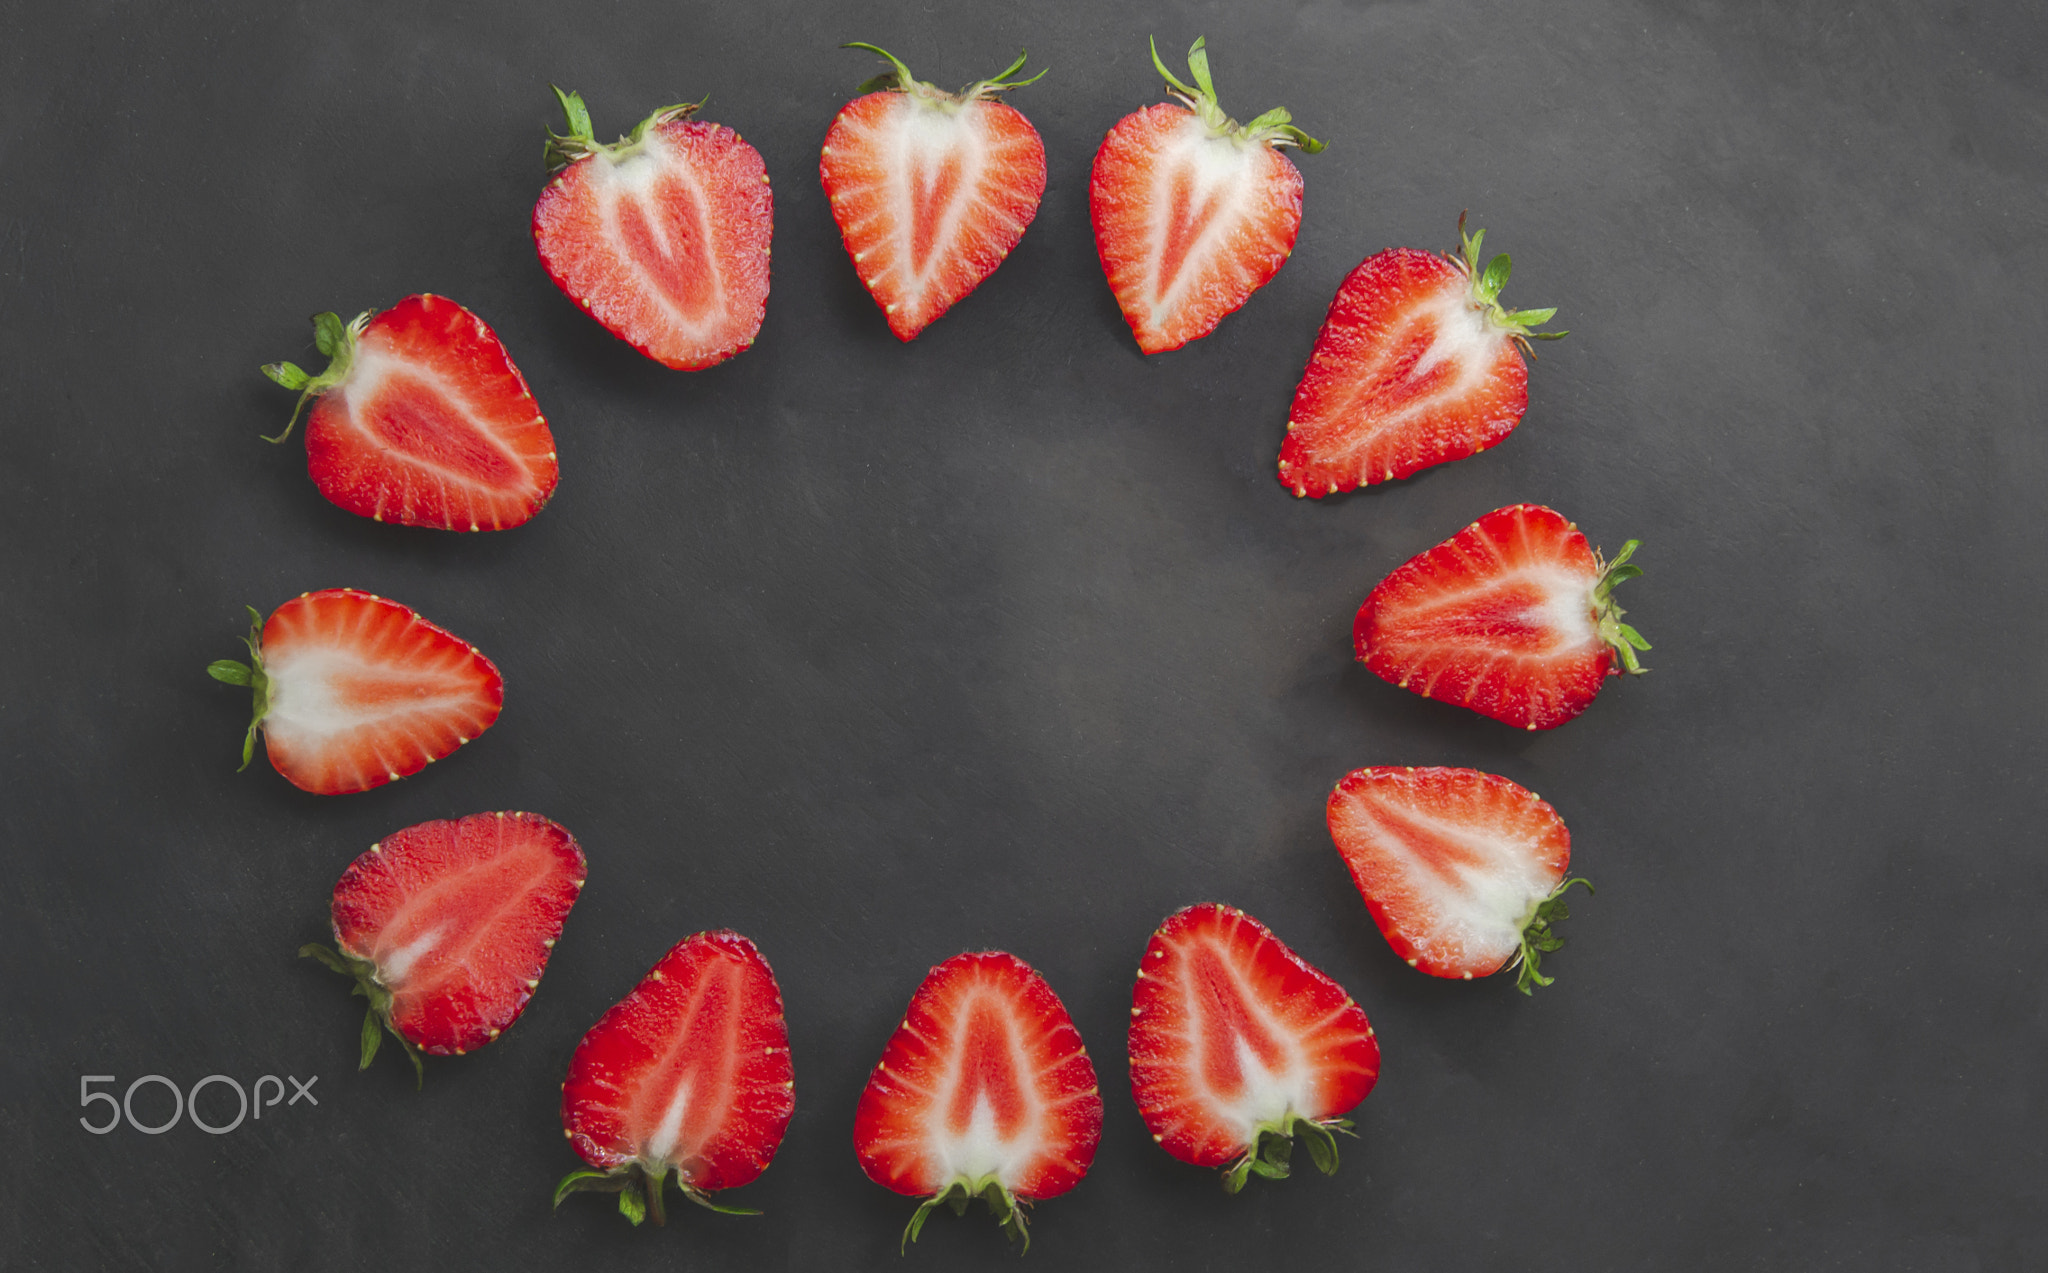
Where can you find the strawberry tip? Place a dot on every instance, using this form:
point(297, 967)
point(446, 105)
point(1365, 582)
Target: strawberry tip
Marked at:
point(1540, 938)
point(898, 79)
point(377, 1020)
point(1006, 1207)
point(640, 1191)
point(1275, 128)
point(580, 142)
point(333, 338)
point(1619, 637)
point(236, 672)
point(1273, 1145)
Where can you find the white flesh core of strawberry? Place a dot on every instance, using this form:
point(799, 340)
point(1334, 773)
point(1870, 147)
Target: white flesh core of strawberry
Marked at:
point(925, 138)
point(393, 965)
point(981, 1152)
point(1567, 609)
point(1477, 910)
point(1463, 337)
point(304, 708)
point(1222, 179)
point(368, 371)
point(1266, 1097)
point(663, 1140)
point(634, 178)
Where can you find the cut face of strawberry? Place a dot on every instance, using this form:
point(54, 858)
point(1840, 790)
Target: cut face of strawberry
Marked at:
point(354, 691)
point(1238, 1044)
point(983, 1092)
point(661, 236)
point(447, 926)
point(1461, 870)
point(421, 419)
point(690, 1072)
point(931, 190)
point(1193, 211)
point(1513, 617)
point(1417, 364)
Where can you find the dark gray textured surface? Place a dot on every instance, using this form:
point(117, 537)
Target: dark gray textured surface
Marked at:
point(1009, 637)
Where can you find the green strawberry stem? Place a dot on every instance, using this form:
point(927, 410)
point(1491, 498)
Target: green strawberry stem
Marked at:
point(1539, 936)
point(1618, 636)
point(1006, 1207)
point(1274, 128)
point(236, 672)
point(1520, 324)
point(563, 149)
point(899, 79)
point(335, 339)
point(640, 1191)
point(1273, 1145)
point(378, 1019)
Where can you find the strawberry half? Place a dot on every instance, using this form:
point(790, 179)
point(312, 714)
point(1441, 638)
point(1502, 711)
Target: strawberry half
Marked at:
point(984, 1091)
point(1193, 211)
point(447, 926)
point(691, 1071)
point(1461, 870)
point(1417, 364)
point(662, 236)
point(1238, 1044)
point(421, 419)
point(354, 691)
point(931, 189)
point(1513, 617)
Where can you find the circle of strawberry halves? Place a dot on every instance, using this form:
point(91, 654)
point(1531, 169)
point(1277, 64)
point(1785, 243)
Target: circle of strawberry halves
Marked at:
point(447, 926)
point(689, 1074)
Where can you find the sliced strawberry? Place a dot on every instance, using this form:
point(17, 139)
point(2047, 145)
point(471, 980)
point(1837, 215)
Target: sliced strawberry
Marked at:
point(1513, 617)
point(984, 1091)
point(354, 691)
point(1417, 364)
point(662, 236)
point(1193, 211)
point(690, 1071)
point(931, 189)
point(447, 926)
point(421, 419)
point(1238, 1043)
point(1461, 870)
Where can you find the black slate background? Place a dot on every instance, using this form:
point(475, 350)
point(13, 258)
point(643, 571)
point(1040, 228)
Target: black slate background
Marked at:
point(1009, 638)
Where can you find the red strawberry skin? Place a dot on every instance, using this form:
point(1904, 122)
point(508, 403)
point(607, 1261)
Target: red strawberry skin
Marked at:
point(432, 425)
point(458, 919)
point(986, 1079)
point(363, 691)
point(1452, 863)
point(1188, 224)
point(668, 245)
point(1499, 618)
point(1407, 372)
point(1232, 1032)
point(930, 195)
point(691, 1070)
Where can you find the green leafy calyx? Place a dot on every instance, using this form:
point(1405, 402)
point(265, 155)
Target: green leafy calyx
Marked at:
point(1274, 128)
point(1273, 1144)
point(1539, 936)
point(378, 1019)
point(335, 339)
point(1618, 636)
point(1520, 324)
point(580, 141)
point(640, 1187)
point(898, 79)
point(236, 672)
point(1006, 1207)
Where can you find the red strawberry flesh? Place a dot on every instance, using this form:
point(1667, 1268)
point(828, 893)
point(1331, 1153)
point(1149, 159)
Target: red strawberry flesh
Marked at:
point(1235, 1038)
point(1510, 617)
point(931, 190)
point(984, 1091)
point(448, 925)
point(1455, 865)
point(690, 1072)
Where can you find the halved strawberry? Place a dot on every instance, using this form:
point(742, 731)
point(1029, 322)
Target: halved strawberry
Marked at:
point(354, 691)
point(662, 236)
point(984, 1091)
point(422, 419)
point(1513, 617)
point(931, 189)
point(1238, 1043)
point(1417, 364)
point(447, 926)
point(691, 1071)
point(1193, 211)
point(1462, 870)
